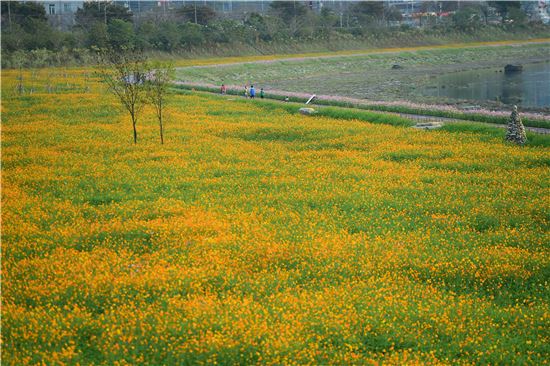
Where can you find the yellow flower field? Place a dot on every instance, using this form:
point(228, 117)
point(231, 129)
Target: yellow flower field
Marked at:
point(256, 236)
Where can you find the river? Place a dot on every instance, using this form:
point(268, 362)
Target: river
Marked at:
point(528, 88)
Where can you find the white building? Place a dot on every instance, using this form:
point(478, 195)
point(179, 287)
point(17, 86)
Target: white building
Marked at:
point(61, 13)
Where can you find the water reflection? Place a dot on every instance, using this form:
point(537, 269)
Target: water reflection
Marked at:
point(529, 88)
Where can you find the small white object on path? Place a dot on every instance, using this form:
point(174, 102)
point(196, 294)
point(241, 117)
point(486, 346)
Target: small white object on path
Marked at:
point(428, 125)
point(311, 98)
point(307, 111)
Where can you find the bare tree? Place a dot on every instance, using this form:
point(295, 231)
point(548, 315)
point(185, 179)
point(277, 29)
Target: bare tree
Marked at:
point(158, 84)
point(19, 61)
point(124, 71)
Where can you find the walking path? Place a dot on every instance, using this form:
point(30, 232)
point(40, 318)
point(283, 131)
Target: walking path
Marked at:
point(422, 118)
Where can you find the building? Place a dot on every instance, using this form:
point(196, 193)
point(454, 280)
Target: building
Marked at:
point(61, 13)
point(227, 7)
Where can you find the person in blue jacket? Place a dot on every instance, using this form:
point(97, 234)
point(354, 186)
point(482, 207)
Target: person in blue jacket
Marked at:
point(252, 91)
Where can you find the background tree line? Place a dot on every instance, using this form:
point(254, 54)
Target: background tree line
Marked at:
point(25, 27)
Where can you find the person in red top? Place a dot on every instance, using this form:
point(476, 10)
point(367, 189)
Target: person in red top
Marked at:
point(223, 89)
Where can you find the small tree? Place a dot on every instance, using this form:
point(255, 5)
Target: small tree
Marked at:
point(19, 58)
point(516, 131)
point(121, 34)
point(124, 72)
point(101, 11)
point(392, 14)
point(158, 83)
point(198, 14)
point(467, 19)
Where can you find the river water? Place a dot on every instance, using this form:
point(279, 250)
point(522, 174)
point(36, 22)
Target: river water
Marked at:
point(529, 88)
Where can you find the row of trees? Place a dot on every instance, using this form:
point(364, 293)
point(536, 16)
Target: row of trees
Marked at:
point(106, 24)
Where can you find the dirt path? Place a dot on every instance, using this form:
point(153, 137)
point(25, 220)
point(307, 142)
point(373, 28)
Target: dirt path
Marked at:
point(353, 101)
point(372, 52)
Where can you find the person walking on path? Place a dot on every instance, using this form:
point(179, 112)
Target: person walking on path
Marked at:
point(262, 93)
point(252, 91)
point(246, 91)
point(223, 89)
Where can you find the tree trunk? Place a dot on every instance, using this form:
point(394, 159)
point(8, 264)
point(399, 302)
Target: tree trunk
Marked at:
point(9, 14)
point(160, 123)
point(20, 82)
point(134, 126)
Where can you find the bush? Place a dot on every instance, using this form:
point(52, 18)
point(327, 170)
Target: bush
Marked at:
point(192, 35)
point(121, 34)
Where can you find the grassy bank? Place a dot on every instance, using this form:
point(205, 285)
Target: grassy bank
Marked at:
point(439, 113)
point(357, 114)
point(355, 109)
point(348, 44)
point(185, 59)
point(295, 104)
point(371, 76)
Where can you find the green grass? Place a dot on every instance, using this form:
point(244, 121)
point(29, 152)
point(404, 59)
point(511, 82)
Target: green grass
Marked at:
point(533, 139)
point(351, 113)
point(385, 108)
point(294, 104)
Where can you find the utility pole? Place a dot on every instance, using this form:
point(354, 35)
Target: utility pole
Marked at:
point(294, 25)
point(347, 15)
point(9, 14)
point(195, 3)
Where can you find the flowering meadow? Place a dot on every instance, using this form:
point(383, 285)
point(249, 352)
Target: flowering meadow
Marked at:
point(257, 236)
